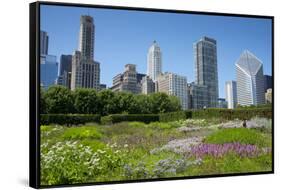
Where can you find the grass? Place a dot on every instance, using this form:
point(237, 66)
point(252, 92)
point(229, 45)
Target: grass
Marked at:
point(81, 133)
point(123, 151)
point(241, 135)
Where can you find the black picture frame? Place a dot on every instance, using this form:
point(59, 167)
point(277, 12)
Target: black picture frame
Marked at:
point(34, 90)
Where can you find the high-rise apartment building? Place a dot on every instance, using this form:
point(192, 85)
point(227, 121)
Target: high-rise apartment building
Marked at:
point(128, 80)
point(154, 61)
point(250, 79)
point(147, 85)
point(175, 85)
point(44, 43)
point(231, 94)
point(206, 73)
point(85, 71)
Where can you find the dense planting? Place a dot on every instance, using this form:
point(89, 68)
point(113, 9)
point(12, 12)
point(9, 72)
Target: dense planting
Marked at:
point(139, 150)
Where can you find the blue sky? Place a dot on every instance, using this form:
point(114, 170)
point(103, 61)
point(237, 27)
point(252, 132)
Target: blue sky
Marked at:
point(124, 37)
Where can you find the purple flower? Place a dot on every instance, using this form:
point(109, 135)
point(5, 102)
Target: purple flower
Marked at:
point(219, 150)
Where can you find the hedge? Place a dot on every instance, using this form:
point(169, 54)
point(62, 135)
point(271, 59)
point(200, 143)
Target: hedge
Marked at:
point(116, 118)
point(69, 119)
point(172, 116)
point(229, 114)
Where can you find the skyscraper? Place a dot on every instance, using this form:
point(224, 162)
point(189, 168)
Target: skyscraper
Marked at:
point(206, 72)
point(267, 82)
point(198, 95)
point(65, 64)
point(173, 84)
point(154, 61)
point(127, 81)
point(85, 71)
point(48, 70)
point(44, 43)
point(231, 94)
point(87, 37)
point(48, 63)
point(250, 79)
point(65, 68)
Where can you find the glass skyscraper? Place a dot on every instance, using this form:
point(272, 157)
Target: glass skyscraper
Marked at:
point(48, 70)
point(250, 80)
point(206, 72)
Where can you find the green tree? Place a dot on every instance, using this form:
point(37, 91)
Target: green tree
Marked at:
point(43, 104)
point(175, 104)
point(143, 104)
point(86, 101)
point(59, 99)
point(160, 102)
point(108, 102)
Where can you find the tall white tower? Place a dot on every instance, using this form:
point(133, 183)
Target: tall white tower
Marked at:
point(250, 79)
point(154, 61)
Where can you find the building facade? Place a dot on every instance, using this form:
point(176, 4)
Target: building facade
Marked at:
point(250, 80)
point(231, 94)
point(147, 85)
point(222, 103)
point(175, 85)
point(154, 61)
point(206, 73)
point(44, 43)
point(65, 69)
point(127, 81)
point(48, 70)
point(268, 96)
point(85, 71)
point(267, 82)
point(198, 96)
point(87, 37)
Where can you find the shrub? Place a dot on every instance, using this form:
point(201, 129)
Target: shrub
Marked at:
point(230, 114)
point(172, 116)
point(68, 119)
point(241, 135)
point(116, 118)
point(70, 162)
point(81, 133)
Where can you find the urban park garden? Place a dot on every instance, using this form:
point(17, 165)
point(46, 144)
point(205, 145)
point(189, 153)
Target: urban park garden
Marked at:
point(89, 136)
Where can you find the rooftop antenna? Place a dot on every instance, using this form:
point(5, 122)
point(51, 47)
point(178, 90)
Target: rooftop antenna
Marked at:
point(88, 12)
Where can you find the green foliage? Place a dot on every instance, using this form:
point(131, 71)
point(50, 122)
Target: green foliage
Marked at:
point(171, 116)
point(116, 118)
point(71, 162)
point(59, 99)
point(81, 133)
point(43, 103)
point(86, 101)
point(68, 119)
point(162, 103)
point(231, 163)
point(241, 135)
point(160, 125)
point(230, 114)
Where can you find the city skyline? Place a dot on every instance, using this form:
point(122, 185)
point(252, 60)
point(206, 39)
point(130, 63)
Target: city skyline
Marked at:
point(178, 52)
